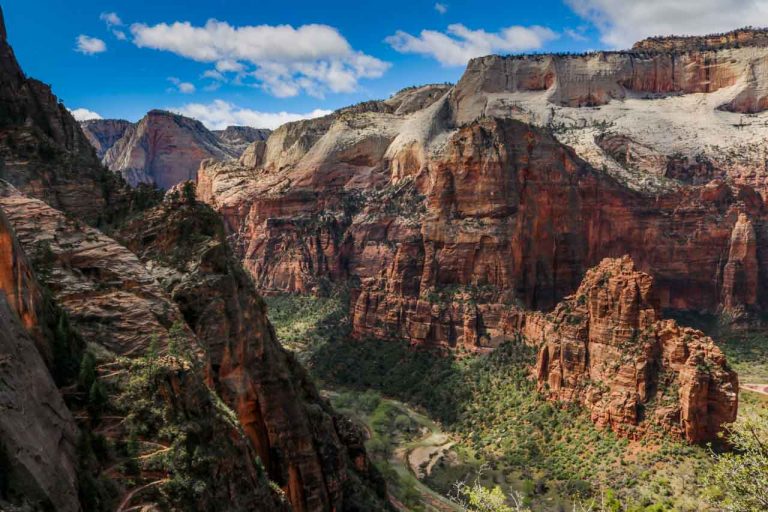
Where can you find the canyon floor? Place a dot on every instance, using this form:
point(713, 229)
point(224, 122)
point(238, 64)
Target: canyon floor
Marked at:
point(432, 422)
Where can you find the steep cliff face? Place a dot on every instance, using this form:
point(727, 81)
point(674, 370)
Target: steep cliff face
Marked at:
point(439, 240)
point(113, 302)
point(154, 434)
point(38, 466)
point(43, 152)
point(164, 149)
point(104, 133)
point(300, 440)
point(607, 348)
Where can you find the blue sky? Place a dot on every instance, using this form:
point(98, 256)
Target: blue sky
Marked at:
point(293, 58)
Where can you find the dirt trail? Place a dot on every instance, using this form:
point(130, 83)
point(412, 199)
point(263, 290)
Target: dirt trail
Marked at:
point(756, 388)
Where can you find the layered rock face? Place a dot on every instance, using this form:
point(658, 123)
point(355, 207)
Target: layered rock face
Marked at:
point(607, 348)
point(43, 152)
point(440, 241)
point(301, 442)
point(104, 133)
point(115, 303)
point(37, 433)
point(164, 149)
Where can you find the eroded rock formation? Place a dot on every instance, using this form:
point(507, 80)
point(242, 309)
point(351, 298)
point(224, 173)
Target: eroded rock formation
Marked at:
point(301, 441)
point(607, 348)
point(439, 240)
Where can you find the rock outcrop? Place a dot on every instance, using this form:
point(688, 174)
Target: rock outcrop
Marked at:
point(297, 436)
point(43, 152)
point(741, 274)
point(607, 348)
point(165, 149)
point(238, 138)
point(104, 133)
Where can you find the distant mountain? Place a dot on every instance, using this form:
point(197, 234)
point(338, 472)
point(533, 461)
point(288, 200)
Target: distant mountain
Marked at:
point(238, 138)
point(164, 148)
point(104, 133)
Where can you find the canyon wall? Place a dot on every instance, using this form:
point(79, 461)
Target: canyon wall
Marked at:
point(438, 246)
point(305, 447)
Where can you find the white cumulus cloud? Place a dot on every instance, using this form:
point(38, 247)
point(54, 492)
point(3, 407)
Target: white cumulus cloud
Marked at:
point(441, 8)
point(459, 44)
point(182, 87)
point(284, 60)
point(90, 45)
point(219, 114)
point(83, 114)
point(623, 23)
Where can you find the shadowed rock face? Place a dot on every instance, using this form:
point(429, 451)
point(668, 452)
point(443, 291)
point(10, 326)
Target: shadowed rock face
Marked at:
point(37, 433)
point(299, 439)
point(104, 133)
point(607, 348)
point(43, 152)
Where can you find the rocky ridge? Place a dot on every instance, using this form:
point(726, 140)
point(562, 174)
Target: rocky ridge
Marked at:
point(607, 347)
point(306, 448)
point(138, 375)
point(43, 151)
point(164, 148)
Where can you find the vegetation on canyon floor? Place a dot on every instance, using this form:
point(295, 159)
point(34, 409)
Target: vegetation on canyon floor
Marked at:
point(506, 436)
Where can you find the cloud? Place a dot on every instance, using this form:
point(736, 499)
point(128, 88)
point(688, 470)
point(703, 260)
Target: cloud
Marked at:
point(111, 19)
point(460, 44)
point(83, 114)
point(219, 114)
point(283, 60)
point(576, 35)
point(182, 87)
point(441, 8)
point(623, 23)
point(90, 45)
point(214, 75)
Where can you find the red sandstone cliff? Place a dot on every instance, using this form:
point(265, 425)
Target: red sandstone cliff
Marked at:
point(438, 244)
point(307, 449)
point(607, 348)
